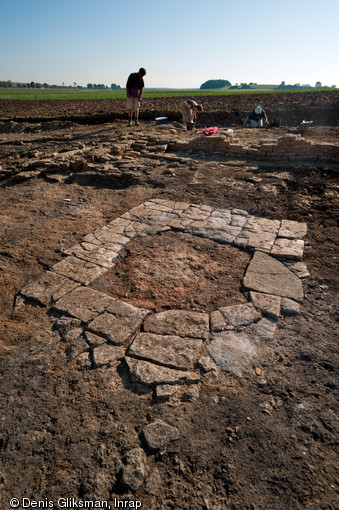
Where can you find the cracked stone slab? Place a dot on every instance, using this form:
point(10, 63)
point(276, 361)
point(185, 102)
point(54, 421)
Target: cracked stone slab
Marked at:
point(49, 287)
point(179, 322)
point(258, 240)
point(240, 315)
point(298, 268)
point(173, 351)
point(98, 255)
point(232, 351)
point(289, 248)
point(263, 330)
point(268, 275)
point(106, 354)
point(290, 307)
point(78, 270)
point(150, 374)
point(219, 322)
point(268, 304)
point(292, 229)
point(83, 303)
point(117, 329)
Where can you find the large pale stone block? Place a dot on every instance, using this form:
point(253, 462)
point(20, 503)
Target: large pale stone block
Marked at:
point(151, 375)
point(170, 350)
point(83, 303)
point(49, 287)
point(232, 351)
point(268, 275)
point(179, 322)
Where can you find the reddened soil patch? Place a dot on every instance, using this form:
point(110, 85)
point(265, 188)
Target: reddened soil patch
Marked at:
point(177, 270)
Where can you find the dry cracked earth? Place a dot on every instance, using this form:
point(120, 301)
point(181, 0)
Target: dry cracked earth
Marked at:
point(141, 362)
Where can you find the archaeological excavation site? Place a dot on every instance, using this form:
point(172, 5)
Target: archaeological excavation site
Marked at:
point(169, 304)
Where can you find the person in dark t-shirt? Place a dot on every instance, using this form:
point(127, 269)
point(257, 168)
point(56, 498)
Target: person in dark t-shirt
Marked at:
point(134, 88)
point(257, 117)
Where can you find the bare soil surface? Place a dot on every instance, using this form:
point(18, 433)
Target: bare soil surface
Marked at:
point(264, 441)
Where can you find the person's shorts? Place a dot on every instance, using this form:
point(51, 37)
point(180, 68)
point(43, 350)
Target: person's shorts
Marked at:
point(133, 103)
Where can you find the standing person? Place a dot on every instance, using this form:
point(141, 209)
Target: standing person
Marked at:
point(189, 110)
point(134, 89)
point(257, 117)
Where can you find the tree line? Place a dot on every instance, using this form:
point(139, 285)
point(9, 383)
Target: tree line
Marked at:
point(35, 85)
point(220, 84)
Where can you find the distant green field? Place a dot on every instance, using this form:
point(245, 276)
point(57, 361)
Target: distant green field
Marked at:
point(14, 93)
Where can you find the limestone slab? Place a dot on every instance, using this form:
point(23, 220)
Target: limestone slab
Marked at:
point(78, 270)
point(151, 375)
point(172, 351)
point(298, 268)
point(49, 287)
point(83, 303)
point(268, 304)
point(178, 322)
point(158, 434)
point(268, 275)
point(258, 240)
point(240, 315)
point(289, 248)
point(292, 229)
point(96, 254)
point(263, 330)
point(118, 330)
point(105, 354)
point(290, 307)
point(232, 351)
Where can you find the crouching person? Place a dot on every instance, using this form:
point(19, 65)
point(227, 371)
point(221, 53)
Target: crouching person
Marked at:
point(257, 118)
point(189, 110)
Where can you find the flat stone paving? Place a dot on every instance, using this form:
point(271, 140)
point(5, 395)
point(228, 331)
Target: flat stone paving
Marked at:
point(163, 350)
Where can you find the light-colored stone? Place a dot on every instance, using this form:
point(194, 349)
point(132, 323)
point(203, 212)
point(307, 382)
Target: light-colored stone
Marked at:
point(165, 391)
point(134, 469)
point(289, 248)
point(172, 351)
point(94, 340)
point(290, 307)
point(95, 254)
point(179, 322)
point(49, 287)
point(240, 315)
point(232, 351)
point(158, 434)
point(263, 330)
point(268, 275)
point(268, 304)
point(292, 229)
point(218, 321)
point(259, 240)
point(151, 375)
point(105, 354)
point(118, 330)
point(78, 270)
point(83, 303)
point(298, 268)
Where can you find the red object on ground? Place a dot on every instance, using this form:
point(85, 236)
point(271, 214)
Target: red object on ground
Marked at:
point(210, 131)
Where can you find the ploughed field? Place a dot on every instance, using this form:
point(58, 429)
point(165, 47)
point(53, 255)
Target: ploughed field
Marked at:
point(291, 106)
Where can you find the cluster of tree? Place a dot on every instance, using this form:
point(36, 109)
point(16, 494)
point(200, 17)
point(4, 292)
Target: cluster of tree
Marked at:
point(36, 85)
point(215, 84)
point(297, 86)
point(101, 86)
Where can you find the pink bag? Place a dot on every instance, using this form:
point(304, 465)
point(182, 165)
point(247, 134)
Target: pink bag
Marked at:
point(210, 131)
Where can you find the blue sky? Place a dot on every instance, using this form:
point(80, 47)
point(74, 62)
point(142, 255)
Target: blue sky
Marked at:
point(180, 43)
